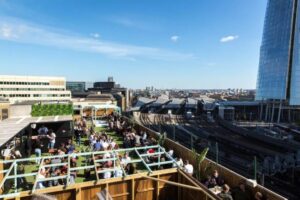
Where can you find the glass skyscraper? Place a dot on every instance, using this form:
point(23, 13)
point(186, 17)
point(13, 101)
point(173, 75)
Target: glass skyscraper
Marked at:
point(279, 65)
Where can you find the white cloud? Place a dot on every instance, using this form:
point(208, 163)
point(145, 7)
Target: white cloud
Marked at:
point(229, 38)
point(6, 32)
point(174, 38)
point(24, 32)
point(95, 35)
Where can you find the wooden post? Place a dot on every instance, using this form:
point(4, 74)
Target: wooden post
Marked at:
point(1, 175)
point(157, 188)
point(132, 189)
point(106, 194)
point(78, 193)
point(179, 189)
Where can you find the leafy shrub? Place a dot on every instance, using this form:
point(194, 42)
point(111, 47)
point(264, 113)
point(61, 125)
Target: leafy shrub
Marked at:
point(51, 109)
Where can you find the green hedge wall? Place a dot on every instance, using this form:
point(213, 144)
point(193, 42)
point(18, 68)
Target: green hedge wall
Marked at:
point(51, 109)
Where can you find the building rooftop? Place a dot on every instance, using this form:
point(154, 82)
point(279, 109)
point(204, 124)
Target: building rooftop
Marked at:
point(175, 103)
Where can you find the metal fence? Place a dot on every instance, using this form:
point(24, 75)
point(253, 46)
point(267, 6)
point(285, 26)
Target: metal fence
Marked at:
point(11, 173)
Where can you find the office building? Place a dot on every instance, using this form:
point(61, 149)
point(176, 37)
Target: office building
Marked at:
point(33, 88)
point(279, 67)
point(75, 86)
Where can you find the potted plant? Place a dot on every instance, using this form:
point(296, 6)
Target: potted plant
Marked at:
point(199, 159)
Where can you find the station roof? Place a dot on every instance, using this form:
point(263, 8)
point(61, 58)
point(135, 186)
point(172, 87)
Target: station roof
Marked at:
point(191, 103)
point(143, 100)
point(160, 102)
point(9, 128)
point(175, 103)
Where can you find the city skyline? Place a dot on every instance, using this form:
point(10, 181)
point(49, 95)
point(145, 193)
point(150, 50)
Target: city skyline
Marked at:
point(215, 46)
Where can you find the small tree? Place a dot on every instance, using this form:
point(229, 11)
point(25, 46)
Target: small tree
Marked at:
point(199, 159)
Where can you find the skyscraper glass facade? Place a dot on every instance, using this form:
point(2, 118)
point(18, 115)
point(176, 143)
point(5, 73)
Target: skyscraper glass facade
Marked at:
point(74, 86)
point(273, 74)
point(295, 71)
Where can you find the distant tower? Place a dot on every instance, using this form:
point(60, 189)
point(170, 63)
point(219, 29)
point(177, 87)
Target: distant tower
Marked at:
point(110, 79)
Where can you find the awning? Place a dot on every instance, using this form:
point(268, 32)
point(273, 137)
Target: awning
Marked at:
point(9, 128)
point(103, 106)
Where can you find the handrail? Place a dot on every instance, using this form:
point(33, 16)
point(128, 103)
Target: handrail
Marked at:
point(70, 168)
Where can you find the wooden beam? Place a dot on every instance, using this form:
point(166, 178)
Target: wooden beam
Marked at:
point(98, 183)
point(157, 188)
point(187, 177)
point(7, 174)
point(95, 165)
point(182, 185)
point(175, 184)
point(193, 182)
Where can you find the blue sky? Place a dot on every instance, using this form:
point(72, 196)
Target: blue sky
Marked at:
point(194, 44)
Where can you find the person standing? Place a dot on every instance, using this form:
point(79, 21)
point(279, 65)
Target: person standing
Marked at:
point(38, 150)
point(51, 137)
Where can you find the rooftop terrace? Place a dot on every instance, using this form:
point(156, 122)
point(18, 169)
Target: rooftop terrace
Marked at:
point(156, 174)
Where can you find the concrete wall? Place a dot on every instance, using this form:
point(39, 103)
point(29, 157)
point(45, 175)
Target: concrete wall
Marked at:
point(20, 110)
point(3, 108)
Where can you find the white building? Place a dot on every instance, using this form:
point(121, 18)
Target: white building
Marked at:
point(33, 88)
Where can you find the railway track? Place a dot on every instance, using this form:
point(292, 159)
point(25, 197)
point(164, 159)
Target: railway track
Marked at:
point(240, 162)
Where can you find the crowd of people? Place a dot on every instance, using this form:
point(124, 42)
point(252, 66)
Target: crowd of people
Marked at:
point(108, 163)
point(226, 193)
point(60, 168)
point(111, 164)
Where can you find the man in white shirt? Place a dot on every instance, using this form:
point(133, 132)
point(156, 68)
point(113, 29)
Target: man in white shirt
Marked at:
point(106, 175)
point(171, 152)
point(125, 159)
point(118, 173)
point(51, 137)
point(104, 145)
point(188, 168)
point(40, 184)
point(179, 163)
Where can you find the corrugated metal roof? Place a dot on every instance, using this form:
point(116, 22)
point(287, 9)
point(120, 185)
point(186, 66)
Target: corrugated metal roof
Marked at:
point(159, 102)
point(191, 103)
point(175, 103)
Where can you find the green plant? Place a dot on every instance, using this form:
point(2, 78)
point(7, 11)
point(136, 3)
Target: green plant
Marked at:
point(162, 138)
point(199, 159)
point(51, 109)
